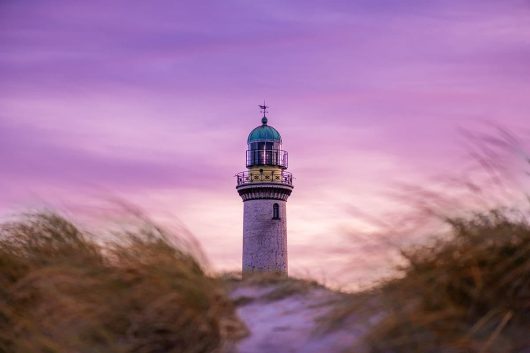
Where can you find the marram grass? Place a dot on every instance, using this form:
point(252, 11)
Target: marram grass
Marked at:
point(469, 293)
point(61, 292)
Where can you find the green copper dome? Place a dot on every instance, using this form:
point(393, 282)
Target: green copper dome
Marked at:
point(264, 133)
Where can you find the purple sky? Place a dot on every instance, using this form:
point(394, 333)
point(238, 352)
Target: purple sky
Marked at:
point(151, 102)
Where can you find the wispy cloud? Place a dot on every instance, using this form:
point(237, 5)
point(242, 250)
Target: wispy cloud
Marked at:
point(157, 99)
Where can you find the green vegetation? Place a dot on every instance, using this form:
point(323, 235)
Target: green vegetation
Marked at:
point(62, 292)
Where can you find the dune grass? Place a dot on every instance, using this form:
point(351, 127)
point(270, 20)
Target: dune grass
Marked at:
point(62, 292)
point(279, 285)
point(467, 293)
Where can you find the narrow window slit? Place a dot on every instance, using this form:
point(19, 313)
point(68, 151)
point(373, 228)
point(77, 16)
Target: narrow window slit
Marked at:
point(276, 211)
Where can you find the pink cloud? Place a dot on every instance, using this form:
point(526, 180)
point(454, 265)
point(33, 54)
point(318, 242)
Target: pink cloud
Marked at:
point(154, 103)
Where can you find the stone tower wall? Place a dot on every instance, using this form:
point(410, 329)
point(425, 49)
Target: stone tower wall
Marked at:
point(264, 238)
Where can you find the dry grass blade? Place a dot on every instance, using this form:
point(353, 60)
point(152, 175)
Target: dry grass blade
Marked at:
point(506, 318)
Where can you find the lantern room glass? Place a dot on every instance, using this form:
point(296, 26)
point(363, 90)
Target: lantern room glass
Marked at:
point(266, 153)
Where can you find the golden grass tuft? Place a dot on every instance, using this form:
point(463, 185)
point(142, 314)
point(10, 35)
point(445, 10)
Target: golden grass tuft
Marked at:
point(62, 292)
point(469, 293)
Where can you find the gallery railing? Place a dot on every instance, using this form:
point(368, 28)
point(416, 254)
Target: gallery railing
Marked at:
point(265, 176)
point(267, 157)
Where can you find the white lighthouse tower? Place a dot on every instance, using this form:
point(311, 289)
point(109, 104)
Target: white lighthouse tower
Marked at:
point(264, 188)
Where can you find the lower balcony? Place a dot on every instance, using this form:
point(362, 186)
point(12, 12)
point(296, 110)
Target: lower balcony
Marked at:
point(265, 176)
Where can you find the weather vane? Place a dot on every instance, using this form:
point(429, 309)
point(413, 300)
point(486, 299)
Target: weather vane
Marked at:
point(264, 108)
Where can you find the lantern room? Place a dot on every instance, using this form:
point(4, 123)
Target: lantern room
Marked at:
point(265, 147)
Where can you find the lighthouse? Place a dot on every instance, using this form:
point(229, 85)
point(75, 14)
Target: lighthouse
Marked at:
point(265, 187)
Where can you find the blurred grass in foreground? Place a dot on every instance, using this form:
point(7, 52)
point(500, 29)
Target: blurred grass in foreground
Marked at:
point(468, 293)
point(62, 292)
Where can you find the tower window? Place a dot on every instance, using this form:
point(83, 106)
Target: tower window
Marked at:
point(275, 211)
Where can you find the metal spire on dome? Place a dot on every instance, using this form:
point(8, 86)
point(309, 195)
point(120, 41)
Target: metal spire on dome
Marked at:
point(264, 111)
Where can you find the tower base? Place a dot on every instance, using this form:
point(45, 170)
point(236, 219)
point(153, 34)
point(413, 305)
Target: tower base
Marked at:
point(265, 227)
point(264, 237)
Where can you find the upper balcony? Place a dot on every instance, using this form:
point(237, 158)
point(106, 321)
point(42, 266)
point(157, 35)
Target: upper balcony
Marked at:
point(267, 157)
